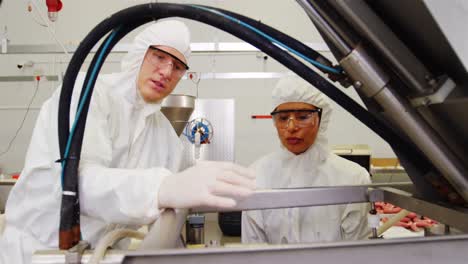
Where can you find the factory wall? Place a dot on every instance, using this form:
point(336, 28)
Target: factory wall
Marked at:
point(253, 138)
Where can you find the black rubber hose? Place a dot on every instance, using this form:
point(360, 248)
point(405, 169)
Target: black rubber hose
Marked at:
point(281, 37)
point(141, 14)
point(69, 228)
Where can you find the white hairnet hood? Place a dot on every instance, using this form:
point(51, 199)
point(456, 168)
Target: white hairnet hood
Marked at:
point(315, 167)
point(295, 89)
point(170, 33)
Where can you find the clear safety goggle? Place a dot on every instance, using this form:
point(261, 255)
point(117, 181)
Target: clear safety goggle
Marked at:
point(161, 59)
point(300, 117)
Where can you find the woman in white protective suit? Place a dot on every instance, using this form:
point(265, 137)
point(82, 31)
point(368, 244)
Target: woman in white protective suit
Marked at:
point(130, 159)
point(301, 115)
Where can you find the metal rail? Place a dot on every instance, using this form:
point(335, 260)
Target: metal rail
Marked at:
point(197, 47)
point(411, 250)
point(452, 216)
point(427, 250)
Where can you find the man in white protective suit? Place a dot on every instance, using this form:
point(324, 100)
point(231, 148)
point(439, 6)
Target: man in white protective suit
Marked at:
point(301, 115)
point(129, 168)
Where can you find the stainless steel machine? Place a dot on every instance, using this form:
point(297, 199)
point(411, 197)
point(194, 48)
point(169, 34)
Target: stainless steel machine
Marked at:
point(398, 57)
point(178, 108)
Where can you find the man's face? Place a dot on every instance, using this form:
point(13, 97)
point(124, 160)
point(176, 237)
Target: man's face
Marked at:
point(297, 130)
point(160, 73)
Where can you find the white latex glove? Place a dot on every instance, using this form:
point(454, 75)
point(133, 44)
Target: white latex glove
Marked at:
point(209, 183)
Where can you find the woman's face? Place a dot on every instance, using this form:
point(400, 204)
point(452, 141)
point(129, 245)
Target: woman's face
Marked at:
point(156, 81)
point(296, 130)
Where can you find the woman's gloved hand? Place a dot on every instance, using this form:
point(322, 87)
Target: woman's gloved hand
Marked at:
point(209, 183)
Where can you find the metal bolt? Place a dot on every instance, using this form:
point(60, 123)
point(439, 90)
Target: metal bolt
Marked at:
point(430, 80)
point(426, 101)
point(357, 84)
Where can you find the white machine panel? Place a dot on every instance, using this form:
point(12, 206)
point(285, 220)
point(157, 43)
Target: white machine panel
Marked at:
point(220, 113)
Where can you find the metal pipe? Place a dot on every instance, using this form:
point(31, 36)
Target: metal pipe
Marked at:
point(427, 250)
point(165, 232)
point(369, 25)
point(373, 81)
point(373, 213)
point(300, 197)
point(426, 139)
point(324, 27)
point(27, 78)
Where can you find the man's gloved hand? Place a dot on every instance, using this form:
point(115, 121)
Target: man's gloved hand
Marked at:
point(209, 183)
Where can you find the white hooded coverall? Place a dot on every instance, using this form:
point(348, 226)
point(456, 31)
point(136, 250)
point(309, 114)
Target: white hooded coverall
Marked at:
point(129, 147)
point(315, 167)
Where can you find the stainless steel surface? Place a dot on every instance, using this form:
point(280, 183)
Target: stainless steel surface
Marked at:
point(435, 46)
point(5, 188)
point(429, 250)
point(178, 108)
point(431, 44)
point(367, 23)
point(363, 69)
point(195, 229)
point(282, 198)
point(438, 97)
point(425, 138)
point(221, 114)
point(446, 249)
point(455, 217)
point(408, 250)
point(301, 197)
point(324, 27)
point(451, 122)
point(58, 257)
point(376, 195)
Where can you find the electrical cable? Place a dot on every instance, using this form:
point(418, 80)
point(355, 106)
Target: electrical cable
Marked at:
point(70, 233)
point(87, 89)
point(31, 14)
point(22, 122)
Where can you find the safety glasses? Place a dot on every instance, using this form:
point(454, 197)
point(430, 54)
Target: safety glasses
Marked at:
point(162, 59)
point(300, 117)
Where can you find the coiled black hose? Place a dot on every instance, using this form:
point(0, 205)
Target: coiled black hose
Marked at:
point(69, 226)
point(137, 15)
